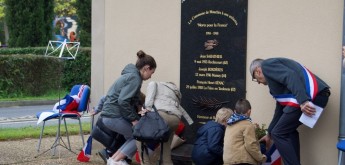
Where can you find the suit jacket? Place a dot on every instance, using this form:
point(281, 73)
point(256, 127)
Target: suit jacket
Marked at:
point(286, 76)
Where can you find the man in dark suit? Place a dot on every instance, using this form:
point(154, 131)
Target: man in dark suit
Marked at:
point(296, 91)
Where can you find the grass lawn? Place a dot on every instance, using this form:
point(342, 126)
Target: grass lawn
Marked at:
point(34, 132)
point(53, 95)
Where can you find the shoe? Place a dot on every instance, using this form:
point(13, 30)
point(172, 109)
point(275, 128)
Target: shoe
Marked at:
point(110, 161)
point(104, 155)
point(129, 161)
point(120, 162)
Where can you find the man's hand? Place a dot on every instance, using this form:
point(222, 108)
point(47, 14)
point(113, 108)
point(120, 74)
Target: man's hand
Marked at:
point(308, 108)
point(267, 140)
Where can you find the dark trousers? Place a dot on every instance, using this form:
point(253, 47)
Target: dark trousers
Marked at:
point(286, 136)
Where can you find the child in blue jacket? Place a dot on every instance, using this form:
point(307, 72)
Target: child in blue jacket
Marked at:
point(208, 147)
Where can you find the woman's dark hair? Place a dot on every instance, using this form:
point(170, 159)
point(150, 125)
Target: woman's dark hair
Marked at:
point(145, 59)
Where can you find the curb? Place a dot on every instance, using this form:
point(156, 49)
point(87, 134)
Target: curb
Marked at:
point(26, 103)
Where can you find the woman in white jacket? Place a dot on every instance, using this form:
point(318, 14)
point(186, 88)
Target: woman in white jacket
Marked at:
point(166, 98)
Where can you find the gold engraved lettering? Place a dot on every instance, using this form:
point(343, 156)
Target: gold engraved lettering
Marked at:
point(201, 82)
point(202, 75)
point(216, 75)
point(202, 69)
point(224, 89)
point(214, 62)
point(202, 117)
point(215, 69)
point(193, 87)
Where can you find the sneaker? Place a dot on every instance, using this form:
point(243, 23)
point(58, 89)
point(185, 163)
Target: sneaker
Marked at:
point(104, 155)
point(120, 162)
point(110, 161)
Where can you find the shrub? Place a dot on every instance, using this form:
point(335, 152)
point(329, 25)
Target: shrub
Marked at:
point(25, 74)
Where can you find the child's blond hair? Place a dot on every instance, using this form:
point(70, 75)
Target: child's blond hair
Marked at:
point(223, 115)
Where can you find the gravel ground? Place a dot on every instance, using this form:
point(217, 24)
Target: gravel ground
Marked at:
point(24, 152)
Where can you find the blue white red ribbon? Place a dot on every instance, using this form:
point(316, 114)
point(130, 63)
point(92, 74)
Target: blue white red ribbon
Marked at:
point(311, 87)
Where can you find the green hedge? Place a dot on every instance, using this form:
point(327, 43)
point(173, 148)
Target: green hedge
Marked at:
point(78, 71)
point(27, 72)
point(23, 51)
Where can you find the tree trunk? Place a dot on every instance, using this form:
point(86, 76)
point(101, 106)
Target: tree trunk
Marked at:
point(6, 33)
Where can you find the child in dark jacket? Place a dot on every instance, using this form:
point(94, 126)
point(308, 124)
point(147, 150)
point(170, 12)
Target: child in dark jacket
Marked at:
point(208, 147)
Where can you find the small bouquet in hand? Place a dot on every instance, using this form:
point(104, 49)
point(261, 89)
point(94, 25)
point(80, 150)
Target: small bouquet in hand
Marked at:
point(260, 131)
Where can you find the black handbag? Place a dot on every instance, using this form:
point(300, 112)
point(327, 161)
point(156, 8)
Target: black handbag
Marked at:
point(110, 139)
point(151, 129)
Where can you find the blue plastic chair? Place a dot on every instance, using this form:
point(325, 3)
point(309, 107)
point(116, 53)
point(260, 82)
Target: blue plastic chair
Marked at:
point(84, 96)
point(341, 148)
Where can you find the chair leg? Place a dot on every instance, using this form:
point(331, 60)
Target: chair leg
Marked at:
point(58, 136)
point(81, 132)
point(340, 157)
point(69, 144)
point(39, 142)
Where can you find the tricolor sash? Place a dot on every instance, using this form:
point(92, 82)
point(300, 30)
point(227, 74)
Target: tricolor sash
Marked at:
point(311, 87)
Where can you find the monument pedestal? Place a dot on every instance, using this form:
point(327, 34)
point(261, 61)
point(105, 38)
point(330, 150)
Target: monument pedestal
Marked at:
point(182, 155)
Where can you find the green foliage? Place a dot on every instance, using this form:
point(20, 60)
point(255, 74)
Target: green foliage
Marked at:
point(260, 131)
point(78, 71)
point(84, 21)
point(49, 95)
point(23, 51)
point(65, 8)
point(2, 9)
point(33, 77)
point(48, 18)
point(34, 132)
point(24, 74)
point(29, 22)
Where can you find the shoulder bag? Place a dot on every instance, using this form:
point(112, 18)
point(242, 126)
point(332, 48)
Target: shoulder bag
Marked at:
point(151, 129)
